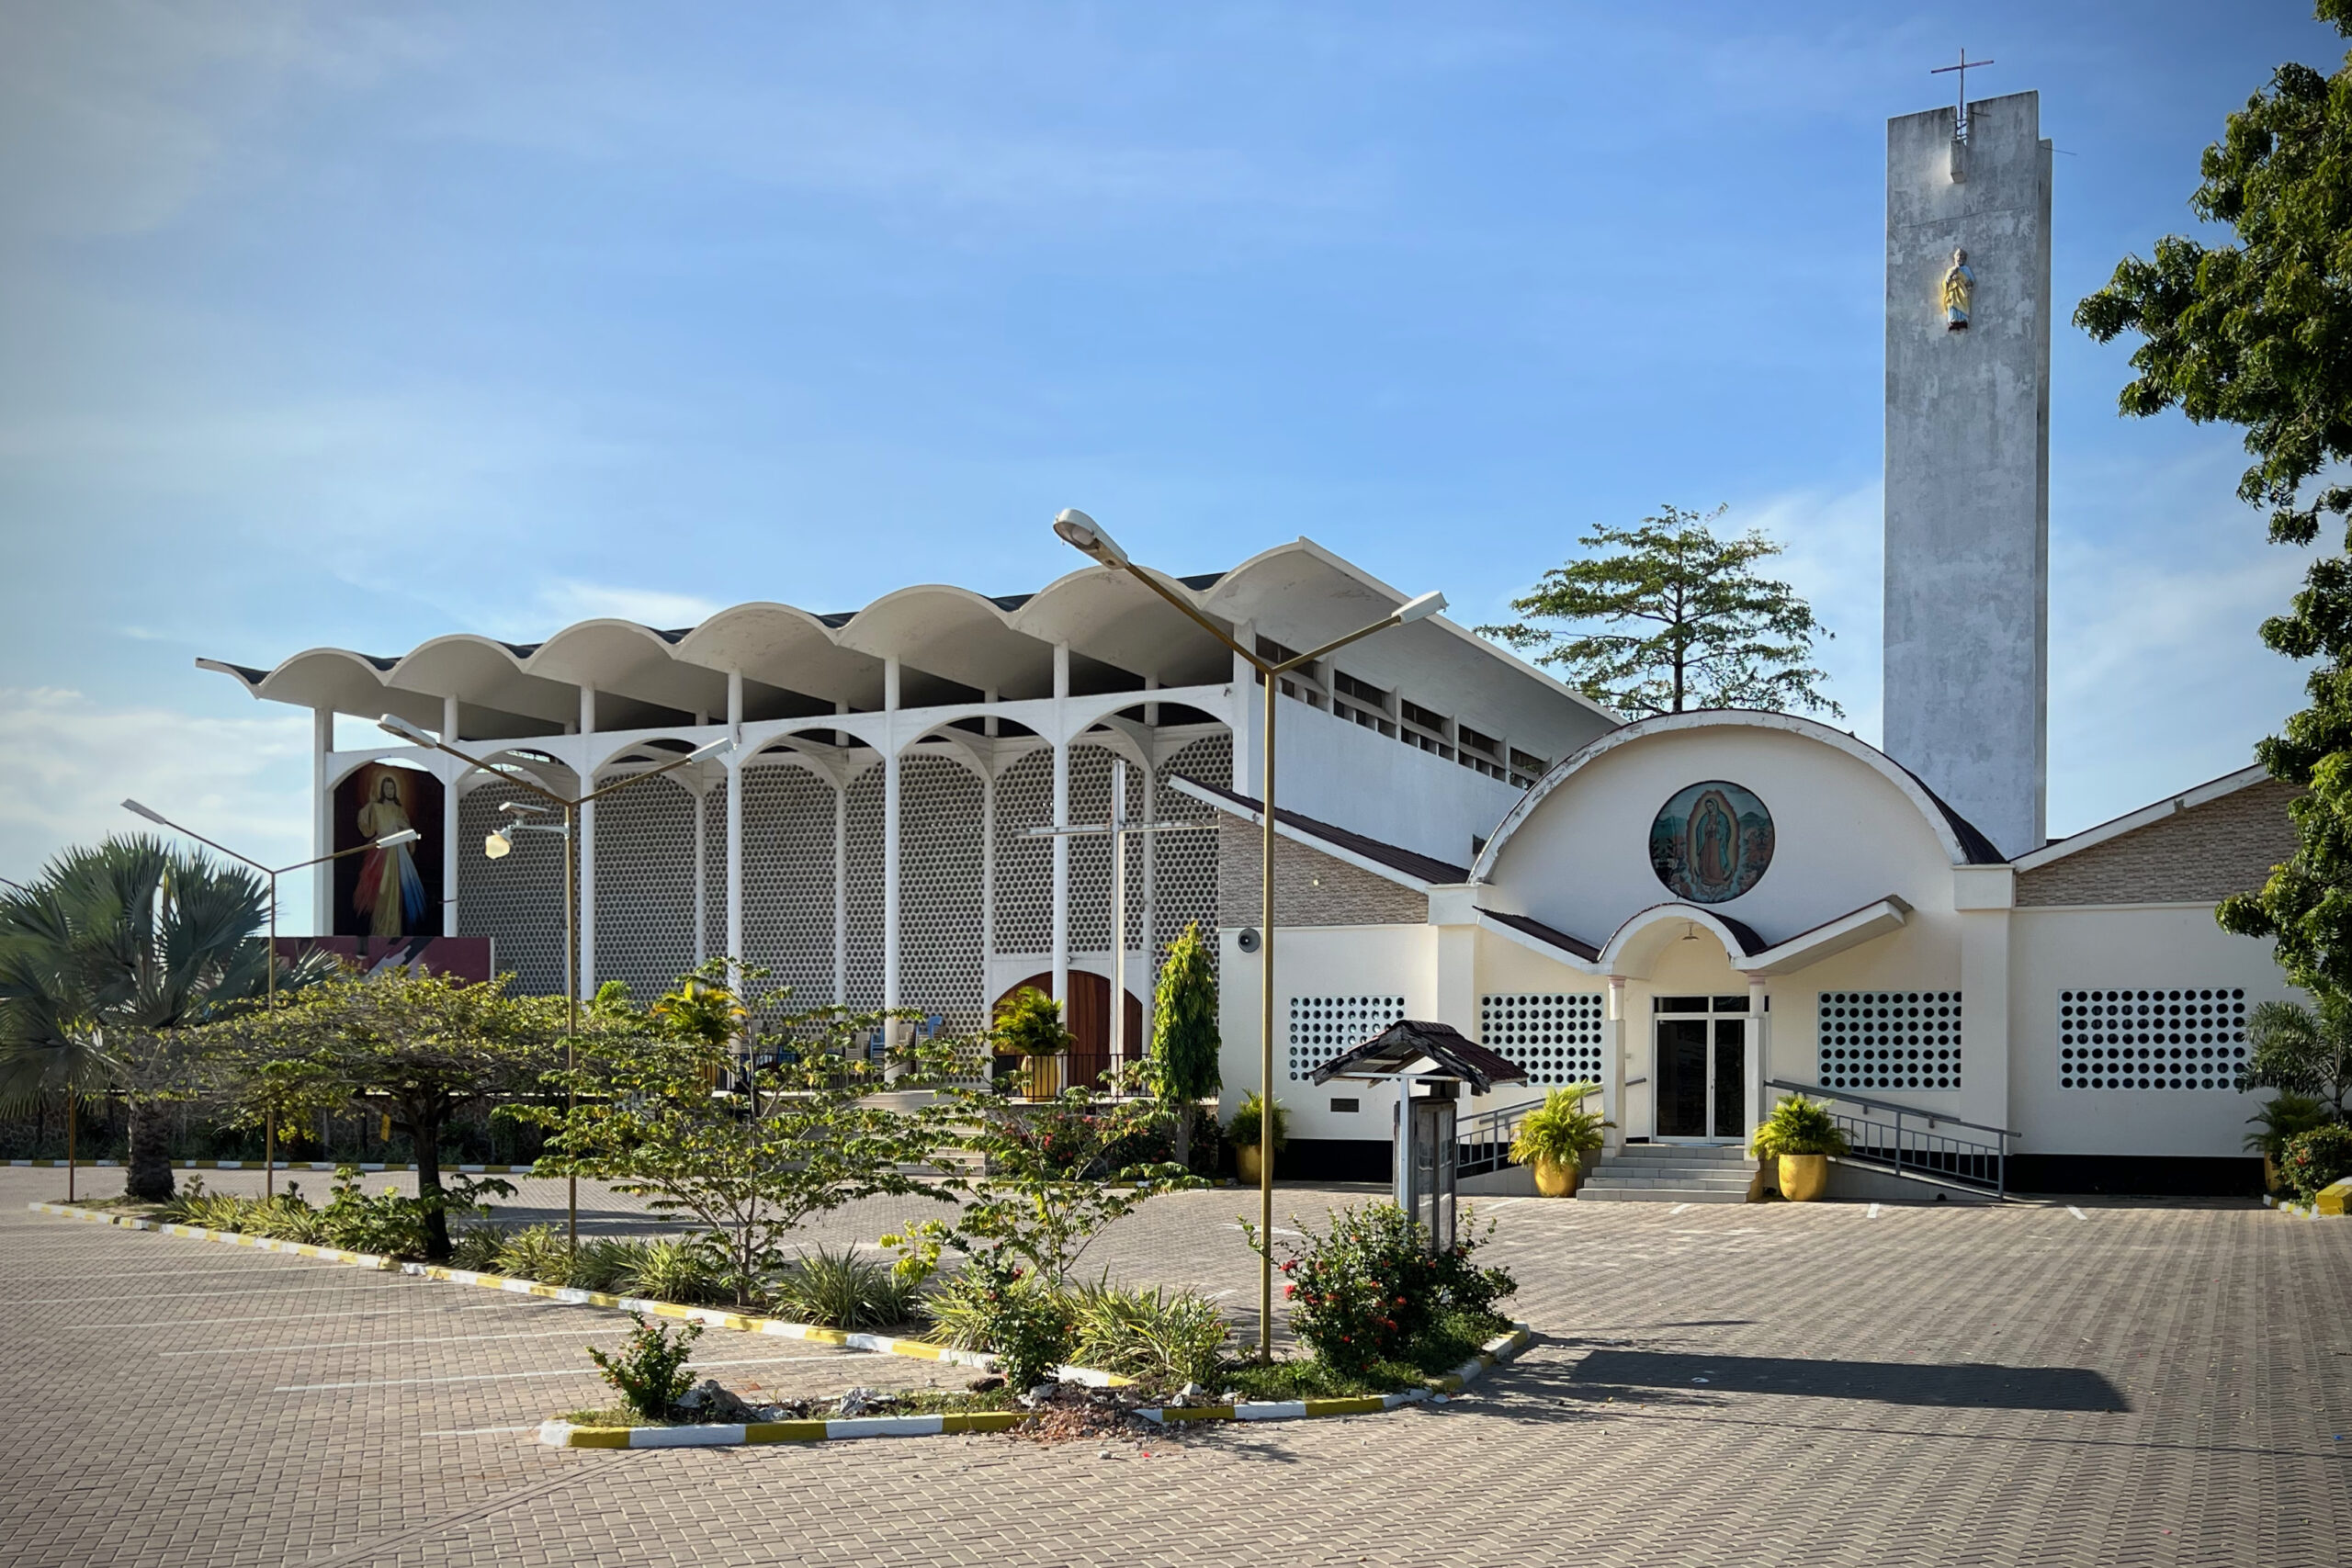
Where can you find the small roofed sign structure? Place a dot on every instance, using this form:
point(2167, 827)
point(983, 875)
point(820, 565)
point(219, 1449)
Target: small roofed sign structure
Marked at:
point(1428, 1062)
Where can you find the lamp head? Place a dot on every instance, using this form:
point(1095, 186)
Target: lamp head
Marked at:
point(1083, 533)
point(394, 724)
point(137, 809)
point(718, 748)
point(1419, 609)
point(500, 841)
point(405, 836)
point(520, 806)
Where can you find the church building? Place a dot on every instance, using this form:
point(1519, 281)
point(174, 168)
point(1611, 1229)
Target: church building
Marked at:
point(1699, 911)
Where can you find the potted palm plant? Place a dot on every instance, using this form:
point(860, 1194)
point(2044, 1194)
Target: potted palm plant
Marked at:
point(1029, 1025)
point(1255, 1136)
point(1800, 1135)
point(1555, 1137)
point(2286, 1114)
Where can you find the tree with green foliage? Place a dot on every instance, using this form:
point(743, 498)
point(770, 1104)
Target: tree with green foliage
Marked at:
point(1669, 616)
point(2303, 1051)
point(107, 959)
point(1184, 1038)
point(801, 1138)
point(2251, 332)
point(419, 1048)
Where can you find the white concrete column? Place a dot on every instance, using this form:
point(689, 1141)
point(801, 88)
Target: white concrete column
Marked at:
point(890, 786)
point(1060, 841)
point(1151, 710)
point(734, 774)
point(322, 821)
point(1249, 714)
point(1150, 931)
point(1983, 896)
point(1613, 1066)
point(587, 845)
point(449, 823)
point(1759, 1052)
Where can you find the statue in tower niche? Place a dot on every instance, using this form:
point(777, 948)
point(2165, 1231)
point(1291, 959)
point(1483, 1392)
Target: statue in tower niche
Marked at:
point(1959, 287)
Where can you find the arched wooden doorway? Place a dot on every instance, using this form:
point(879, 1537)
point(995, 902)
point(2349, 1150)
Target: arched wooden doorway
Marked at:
point(1087, 1014)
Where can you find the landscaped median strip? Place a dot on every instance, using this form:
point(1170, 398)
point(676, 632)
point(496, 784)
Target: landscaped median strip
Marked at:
point(564, 1434)
point(713, 1317)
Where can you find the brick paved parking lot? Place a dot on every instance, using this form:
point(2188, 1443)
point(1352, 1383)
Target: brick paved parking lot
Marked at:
point(1810, 1385)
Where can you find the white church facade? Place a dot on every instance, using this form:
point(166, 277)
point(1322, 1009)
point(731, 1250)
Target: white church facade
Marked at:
point(1699, 911)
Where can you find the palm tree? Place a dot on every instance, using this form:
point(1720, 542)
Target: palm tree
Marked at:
point(2303, 1051)
point(103, 959)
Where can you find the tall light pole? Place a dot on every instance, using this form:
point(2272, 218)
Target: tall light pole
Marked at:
point(495, 847)
point(1085, 535)
point(269, 1114)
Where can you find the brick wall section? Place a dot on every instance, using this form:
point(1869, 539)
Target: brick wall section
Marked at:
point(1311, 888)
point(2202, 855)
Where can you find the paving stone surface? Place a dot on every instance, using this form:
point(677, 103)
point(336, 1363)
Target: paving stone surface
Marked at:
point(2105, 1384)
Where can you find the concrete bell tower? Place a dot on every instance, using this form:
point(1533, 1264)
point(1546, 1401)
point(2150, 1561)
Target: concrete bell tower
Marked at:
point(1968, 460)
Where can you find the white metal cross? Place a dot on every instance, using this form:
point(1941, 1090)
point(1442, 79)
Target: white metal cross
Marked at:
point(1960, 122)
point(1118, 827)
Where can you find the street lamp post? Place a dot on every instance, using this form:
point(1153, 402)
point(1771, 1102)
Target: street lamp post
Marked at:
point(502, 840)
point(1083, 533)
point(269, 1114)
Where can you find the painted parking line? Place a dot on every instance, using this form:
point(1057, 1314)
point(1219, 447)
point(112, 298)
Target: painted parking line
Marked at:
point(1490, 1208)
point(87, 1298)
point(1675, 1210)
point(386, 1343)
point(155, 1274)
point(478, 1431)
point(556, 1372)
point(533, 1307)
point(2076, 1212)
point(1278, 1231)
point(1872, 1213)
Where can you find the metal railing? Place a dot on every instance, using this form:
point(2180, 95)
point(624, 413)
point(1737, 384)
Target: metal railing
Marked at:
point(1483, 1141)
point(1906, 1140)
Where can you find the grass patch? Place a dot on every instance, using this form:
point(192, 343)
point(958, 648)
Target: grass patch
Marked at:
point(609, 1415)
point(1314, 1380)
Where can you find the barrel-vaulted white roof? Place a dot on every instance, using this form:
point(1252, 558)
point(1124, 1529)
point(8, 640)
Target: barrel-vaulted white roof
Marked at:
point(953, 645)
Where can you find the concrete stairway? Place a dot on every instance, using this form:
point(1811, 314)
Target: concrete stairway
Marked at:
point(1670, 1173)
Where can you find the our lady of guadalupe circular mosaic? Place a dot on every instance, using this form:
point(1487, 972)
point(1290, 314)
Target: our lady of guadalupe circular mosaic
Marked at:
point(1711, 842)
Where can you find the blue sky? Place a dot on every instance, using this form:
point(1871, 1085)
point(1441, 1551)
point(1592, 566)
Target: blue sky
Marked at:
point(352, 324)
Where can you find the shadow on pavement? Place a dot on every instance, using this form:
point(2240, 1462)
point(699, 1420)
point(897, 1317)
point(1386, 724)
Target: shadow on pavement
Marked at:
point(1961, 1385)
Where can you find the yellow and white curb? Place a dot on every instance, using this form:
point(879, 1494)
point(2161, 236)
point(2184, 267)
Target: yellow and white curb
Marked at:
point(329, 1166)
point(715, 1317)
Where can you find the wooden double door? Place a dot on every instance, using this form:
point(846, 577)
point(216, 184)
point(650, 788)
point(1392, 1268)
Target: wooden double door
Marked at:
point(1086, 1013)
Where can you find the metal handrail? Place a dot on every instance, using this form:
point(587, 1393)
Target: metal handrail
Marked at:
point(1485, 1139)
point(1918, 1152)
point(1931, 1117)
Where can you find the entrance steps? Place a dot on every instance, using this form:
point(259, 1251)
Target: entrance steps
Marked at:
point(1671, 1173)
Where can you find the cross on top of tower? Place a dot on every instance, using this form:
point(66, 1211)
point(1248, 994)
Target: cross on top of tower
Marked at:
point(1960, 122)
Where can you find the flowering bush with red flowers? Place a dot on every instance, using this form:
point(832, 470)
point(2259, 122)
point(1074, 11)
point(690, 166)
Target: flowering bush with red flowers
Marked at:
point(1368, 1291)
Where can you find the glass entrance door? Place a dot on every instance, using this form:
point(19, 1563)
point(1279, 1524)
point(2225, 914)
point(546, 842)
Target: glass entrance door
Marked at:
point(1700, 1076)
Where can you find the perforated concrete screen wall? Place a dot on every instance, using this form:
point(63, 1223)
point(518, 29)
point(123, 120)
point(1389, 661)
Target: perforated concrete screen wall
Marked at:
point(1554, 1036)
point(2188, 1039)
point(519, 900)
point(1323, 1027)
point(1889, 1040)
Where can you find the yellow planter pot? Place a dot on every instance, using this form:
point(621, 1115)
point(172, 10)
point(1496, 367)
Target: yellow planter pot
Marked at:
point(1245, 1162)
point(1554, 1179)
point(1804, 1177)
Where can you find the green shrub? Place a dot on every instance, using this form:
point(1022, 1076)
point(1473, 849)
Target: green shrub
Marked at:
point(1242, 1131)
point(1368, 1291)
point(649, 1371)
point(2287, 1114)
point(1152, 1336)
point(684, 1270)
point(1029, 1325)
point(477, 1247)
point(605, 1263)
point(1560, 1130)
point(1798, 1126)
point(842, 1289)
point(2317, 1159)
point(1029, 1024)
point(536, 1252)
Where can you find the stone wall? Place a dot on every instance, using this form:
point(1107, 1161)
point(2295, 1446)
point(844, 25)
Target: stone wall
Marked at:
point(1311, 888)
point(2200, 855)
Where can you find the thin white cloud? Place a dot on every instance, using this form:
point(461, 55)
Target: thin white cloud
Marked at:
point(1833, 544)
point(569, 599)
point(71, 762)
